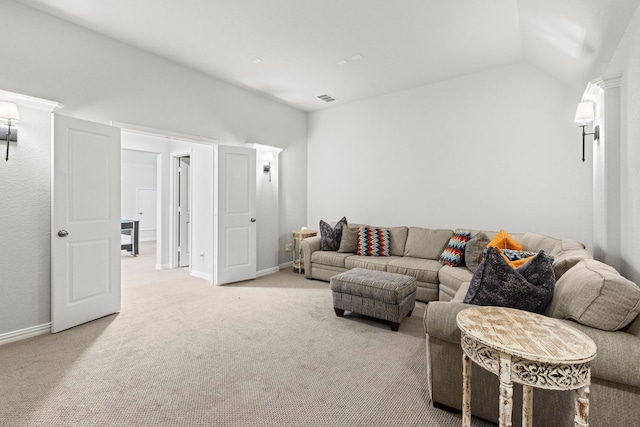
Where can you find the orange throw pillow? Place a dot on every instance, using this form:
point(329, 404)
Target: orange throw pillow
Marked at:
point(504, 241)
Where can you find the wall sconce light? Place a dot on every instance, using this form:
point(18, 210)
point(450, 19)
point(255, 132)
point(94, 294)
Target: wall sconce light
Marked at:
point(584, 116)
point(9, 115)
point(267, 169)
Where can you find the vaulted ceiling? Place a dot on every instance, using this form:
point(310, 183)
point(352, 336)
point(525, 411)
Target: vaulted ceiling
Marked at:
point(295, 50)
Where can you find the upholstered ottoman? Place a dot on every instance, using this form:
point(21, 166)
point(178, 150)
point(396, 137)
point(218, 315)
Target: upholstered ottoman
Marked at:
point(386, 296)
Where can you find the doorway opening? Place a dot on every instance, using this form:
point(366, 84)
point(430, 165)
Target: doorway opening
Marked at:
point(139, 187)
point(182, 210)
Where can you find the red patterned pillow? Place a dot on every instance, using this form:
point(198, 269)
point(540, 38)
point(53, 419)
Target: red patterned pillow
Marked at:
point(373, 242)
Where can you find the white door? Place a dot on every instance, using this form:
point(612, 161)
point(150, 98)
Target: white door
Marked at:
point(184, 211)
point(147, 200)
point(235, 207)
point(85, 222)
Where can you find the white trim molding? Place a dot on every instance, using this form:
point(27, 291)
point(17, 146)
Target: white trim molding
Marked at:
point(285, 265)
point(30, 101)
point(25, 333)
point(267, 271)
point(200, 275)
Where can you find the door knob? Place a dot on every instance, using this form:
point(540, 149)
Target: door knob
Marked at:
point(63, 233)
point(253, 220)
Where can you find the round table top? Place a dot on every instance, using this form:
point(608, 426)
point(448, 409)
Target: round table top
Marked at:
point(527, 335)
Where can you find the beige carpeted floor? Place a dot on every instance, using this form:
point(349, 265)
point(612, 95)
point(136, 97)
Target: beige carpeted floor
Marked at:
point(267, 352)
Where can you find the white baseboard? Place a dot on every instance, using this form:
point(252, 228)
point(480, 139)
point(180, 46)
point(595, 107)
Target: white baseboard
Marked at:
point(162, 266)
point(25, 333)
point(200, 275)
point(284, 265)
point(267, 271)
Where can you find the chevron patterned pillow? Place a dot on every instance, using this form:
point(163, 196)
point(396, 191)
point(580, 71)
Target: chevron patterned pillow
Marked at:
point(373, 241)
point(453, 254)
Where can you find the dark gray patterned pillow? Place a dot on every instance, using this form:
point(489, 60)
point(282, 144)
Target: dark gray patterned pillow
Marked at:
point(528, 287)
point(330, 236)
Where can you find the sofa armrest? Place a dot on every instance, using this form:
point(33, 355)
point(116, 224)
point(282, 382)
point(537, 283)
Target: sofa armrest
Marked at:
point(309, 246)
point(440, 320)
point(617, 355)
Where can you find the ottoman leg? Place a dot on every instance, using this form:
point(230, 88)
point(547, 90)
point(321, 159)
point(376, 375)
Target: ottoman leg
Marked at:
point(339, 311)
point(394, 326)
point(410, 313)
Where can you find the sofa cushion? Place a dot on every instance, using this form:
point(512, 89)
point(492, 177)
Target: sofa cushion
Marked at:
point(564, 260)
point(332, 258)
point(370, 262)
point(450, 279)
point(539, 242)
point(349, 241)
point(461, 293)
point(424, 270)
point(398, 236)
point(330, 236)
point(596, 295)
point(373, 242)
point(426, 243)
point(453, 254)
point(528, 287)
point(503, 240)
point(474, 250)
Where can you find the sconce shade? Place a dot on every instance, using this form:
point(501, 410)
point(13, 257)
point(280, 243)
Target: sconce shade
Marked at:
point(584, 114)
point(9, 111)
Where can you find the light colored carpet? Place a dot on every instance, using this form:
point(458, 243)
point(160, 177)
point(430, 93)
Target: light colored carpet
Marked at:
point(267, 352)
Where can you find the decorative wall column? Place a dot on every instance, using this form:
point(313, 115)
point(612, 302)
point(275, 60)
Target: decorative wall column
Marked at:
point(605, 92)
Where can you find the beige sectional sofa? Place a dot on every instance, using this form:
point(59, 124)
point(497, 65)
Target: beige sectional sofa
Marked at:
point(415, 252)
point(588, 295)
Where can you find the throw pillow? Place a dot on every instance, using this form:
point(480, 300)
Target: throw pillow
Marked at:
point(373, 242)
point(595, 294)
point(504, 241)
point(474, 251)
point(453, 254)
point(528, 287)
point(349, 241)
point(517, 258)
point(330, 236)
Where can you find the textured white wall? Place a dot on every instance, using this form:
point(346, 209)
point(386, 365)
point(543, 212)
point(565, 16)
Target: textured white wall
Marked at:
point(99, 79)
point(25, 224)
point(497, 149)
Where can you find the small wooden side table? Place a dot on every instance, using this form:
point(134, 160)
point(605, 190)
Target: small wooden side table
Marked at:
point(298, 237)
point(527, 348)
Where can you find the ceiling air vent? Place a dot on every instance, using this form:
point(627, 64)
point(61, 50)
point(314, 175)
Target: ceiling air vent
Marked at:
point(326, 98)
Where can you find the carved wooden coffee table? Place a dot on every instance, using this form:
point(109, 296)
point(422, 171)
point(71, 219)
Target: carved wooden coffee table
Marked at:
point(527, 348)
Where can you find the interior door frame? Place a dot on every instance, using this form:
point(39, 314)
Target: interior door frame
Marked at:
point(174, 200)
point(164, 165)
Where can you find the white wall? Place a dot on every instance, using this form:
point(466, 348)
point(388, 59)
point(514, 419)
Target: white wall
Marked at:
point(25, 218)
point(626, 60)
point(496, 149)
point(99, 79)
